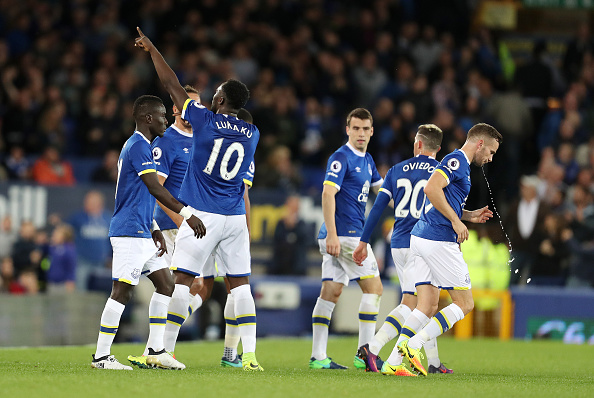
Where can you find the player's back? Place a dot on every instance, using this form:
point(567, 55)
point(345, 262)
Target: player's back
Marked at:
point(134, 205)
point(405, 183)
point(171, 154)
point(223, 151)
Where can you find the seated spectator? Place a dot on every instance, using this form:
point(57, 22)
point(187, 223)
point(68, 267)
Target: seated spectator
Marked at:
point(49, 169)
point(108, 171)
point(61, 275)
point(17, 165)
point(91, 227)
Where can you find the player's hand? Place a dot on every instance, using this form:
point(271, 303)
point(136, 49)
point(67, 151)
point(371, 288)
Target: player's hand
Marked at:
point(159, 240)
point(480, 216)
point(333, 246)
point(460, 230)
point(197, 226)
point(143, 42)
point(360, 253)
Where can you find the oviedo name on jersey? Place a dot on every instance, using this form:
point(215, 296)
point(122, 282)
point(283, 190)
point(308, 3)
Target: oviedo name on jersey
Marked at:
point(418, 166)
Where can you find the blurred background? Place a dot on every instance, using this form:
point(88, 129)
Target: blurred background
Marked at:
point(69, 74)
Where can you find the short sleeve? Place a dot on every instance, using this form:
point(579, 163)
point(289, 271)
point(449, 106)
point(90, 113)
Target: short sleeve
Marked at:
point(336, 170)
point(387, 187)
point(141, 158)
point(450, 168)
point(376, 178)
point(195, 113)
point(248, 178)
point(163, 156)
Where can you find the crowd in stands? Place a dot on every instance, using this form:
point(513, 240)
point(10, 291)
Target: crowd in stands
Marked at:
point(69, 74)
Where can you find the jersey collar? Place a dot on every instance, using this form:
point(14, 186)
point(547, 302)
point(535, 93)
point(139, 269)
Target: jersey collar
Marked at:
point(180, 131)
point(142, 135)
point(427, 156)
point(355, 151)
point(464, 153)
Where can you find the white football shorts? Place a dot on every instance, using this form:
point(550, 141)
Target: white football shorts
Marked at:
point(133, 257)
point(439, 263)
point(343, 268)
point(405, 270)
point(169, 235)
point(227, 236)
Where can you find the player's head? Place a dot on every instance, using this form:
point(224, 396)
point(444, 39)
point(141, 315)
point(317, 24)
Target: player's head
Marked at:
point(428, 139)
point(359, 128)
point(485, 139)
point(244, 115)
point(194, 94)
point(230, 96)
point(149, 112)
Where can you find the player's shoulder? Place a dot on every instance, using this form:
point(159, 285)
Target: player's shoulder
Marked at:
point(455, 160)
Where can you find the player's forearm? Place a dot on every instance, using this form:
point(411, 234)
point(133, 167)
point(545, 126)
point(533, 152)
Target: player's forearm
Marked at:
point(329, 212)
point(165, 198)
point(466, 215)
point(176, 218)
point(374, 216)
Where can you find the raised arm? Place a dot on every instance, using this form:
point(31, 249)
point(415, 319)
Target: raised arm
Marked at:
point(166, 74)
point(435, 194)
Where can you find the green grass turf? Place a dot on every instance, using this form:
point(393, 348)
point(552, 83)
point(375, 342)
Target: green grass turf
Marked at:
point(483, 368)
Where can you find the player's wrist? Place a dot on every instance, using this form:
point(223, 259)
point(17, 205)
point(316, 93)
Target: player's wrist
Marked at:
point(187, 212)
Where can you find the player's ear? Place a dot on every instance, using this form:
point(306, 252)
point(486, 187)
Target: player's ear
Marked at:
point(149, 118)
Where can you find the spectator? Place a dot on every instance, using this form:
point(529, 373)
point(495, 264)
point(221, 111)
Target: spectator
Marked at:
point(108, 171)
point(7, 237)
point(26, 254)
point(525, 223)
point(49, 169)
point(279, 172)
point(91, 227)
point(61, 275)
point(17, 165)
point(550, 264)
point(8, 281)
point(290, 242)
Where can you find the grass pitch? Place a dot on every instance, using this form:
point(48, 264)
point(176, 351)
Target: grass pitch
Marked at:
point(483, 368)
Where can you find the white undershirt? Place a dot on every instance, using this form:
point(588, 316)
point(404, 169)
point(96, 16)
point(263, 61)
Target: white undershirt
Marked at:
point(527, 212)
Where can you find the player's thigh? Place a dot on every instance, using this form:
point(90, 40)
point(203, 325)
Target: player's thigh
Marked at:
point(447, 265)
point(418, 266)
point(234, 248)
point(367, 270)
point(129, 258)
point(404, 265)
point(191, 253)
point(169, 235)
point(331, 268)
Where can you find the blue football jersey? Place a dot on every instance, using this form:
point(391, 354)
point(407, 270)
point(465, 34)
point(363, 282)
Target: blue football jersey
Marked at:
point(221, 157)
point(352, 172)
point(405, 183)
point(433, 225)
point(134, 205)
point(171, 154)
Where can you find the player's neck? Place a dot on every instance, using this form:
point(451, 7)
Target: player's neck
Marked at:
point(469, 149)
point(181, 127)
point(427, 153)
point(226, 111)
point(146, 132)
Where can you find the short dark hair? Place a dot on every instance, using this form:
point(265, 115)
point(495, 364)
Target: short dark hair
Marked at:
point(145, 104)
point(236, 93)
point(431, 136)
point(481, 130)
point(244, 115)
point(190, 89)
point(359, 113)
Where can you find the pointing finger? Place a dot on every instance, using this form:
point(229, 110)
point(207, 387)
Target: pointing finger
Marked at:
point(139, 31)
